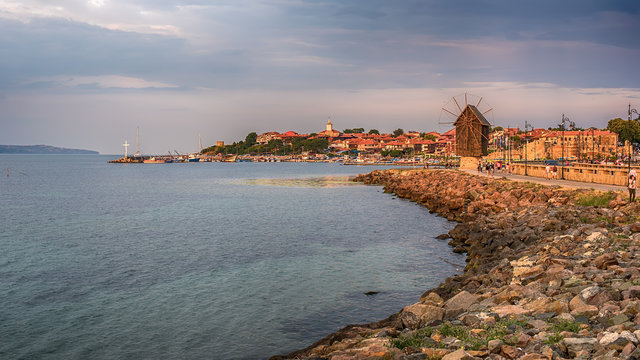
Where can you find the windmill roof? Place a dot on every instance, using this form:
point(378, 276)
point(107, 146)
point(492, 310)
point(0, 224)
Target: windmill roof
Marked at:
point(476, 113)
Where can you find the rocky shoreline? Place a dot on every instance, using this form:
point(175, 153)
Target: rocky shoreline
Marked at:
point(551, 273)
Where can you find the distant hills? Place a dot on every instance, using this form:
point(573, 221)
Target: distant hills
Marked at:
point(42, 149)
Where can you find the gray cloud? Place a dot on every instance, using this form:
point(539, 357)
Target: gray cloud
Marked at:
point(151, 48)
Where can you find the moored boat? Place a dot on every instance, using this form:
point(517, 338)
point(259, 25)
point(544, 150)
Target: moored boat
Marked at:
point(154, 160)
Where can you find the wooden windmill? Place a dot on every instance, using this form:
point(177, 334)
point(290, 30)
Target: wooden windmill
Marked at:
point(472, 129)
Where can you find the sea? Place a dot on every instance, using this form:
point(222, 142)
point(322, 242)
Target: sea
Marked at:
point(201, 260)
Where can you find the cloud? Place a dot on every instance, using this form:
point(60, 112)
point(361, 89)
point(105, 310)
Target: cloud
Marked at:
point(103, 81)
point(228, 66)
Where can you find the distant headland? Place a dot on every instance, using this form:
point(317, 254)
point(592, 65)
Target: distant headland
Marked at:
point(42, 149)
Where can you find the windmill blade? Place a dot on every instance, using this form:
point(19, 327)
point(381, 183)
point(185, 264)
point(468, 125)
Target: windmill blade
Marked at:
point(487, 111)
point(479, 101)
point(450, 112)
point(456, 101)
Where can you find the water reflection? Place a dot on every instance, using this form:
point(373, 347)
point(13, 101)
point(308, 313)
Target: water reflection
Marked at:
point(316, 182)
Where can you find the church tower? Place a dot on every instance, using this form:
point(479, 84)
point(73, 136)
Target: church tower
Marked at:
point(329, 125)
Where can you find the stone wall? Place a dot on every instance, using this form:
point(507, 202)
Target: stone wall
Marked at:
point(590, 173)
point(469, 162)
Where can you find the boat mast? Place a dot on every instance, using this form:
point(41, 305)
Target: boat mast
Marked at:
point(138, 141)
point(199, 143)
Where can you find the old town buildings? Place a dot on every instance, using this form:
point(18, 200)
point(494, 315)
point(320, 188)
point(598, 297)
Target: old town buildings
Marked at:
point(508, 143)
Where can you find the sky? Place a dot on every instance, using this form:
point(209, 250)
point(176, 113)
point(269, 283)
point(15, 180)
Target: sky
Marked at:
point(87, 73)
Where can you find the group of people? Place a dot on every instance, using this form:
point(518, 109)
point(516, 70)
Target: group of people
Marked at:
point(551, 172)
point(491, 167)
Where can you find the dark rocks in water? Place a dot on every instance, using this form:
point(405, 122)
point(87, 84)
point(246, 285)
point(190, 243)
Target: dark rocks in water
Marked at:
point(371, 293)
point(443, 237)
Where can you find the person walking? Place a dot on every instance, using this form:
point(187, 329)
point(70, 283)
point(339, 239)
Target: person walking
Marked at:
point(547, 169)
point(632, 185)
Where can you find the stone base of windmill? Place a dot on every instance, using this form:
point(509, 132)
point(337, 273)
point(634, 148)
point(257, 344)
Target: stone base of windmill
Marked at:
point(469, 162)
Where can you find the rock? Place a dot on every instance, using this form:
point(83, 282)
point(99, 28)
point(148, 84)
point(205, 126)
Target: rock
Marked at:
point(431, 299)
point(470, 320)
point(630, 336)
point(443, 236)
point(635, 227)
point(596, 236)
point(566, 317)
point(632, 308)
point(579, 307)
point(618, 319)
point(633, 292)
point(494, 346)
point(534, 357)
point(435, 353)
point(459, 354)
point(605, 260)
point(628, 350)
point(557, 307)
point(418, 315)
point(614, 341)
point(504, 310)
point(461, 300)
point(511, 352)
point(588, 293)
point(451, 314)
point(416, 356)
point(575, 345)
point(521, 340)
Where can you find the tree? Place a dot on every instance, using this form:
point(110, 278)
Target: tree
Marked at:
point(396, 153)
point(374, 132)
point(497, 128)
point(251, 138)
point(397, 132)
point(626, 130)
point(316, 145)
point(430, 137)
point(354, 131)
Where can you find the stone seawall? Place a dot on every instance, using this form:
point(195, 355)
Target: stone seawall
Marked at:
point(548, 276)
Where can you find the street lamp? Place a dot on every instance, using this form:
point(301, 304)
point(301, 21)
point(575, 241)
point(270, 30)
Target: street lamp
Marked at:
point(629, 123)
point(526, 126)
point(564, 118)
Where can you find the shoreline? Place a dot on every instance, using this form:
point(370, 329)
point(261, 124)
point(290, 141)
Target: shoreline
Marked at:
point(527, 246)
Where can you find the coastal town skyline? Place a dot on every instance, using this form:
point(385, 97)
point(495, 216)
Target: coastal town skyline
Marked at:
point(86, 74)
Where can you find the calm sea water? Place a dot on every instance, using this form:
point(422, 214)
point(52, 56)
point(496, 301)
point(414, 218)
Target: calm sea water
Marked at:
point(200, 261)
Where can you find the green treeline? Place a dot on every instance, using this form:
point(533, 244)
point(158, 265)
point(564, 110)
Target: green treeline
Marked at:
point(250, 147)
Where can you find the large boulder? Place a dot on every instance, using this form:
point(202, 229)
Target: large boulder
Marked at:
point(461, 300)
point(419, 315)
point(576, 345)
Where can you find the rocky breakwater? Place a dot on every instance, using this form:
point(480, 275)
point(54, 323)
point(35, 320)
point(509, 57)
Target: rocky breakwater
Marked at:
point(551, 274)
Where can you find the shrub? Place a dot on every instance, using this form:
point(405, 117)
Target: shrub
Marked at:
point(595, 199)
point(418, 339)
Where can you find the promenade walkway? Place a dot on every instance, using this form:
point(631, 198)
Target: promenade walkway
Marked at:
point(563, 183)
